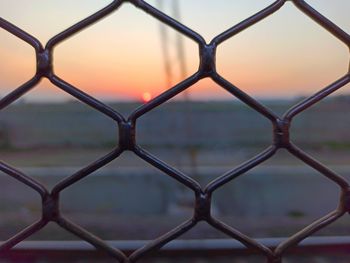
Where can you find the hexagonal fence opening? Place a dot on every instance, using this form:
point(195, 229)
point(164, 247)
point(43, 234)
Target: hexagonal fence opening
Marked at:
point(44, 25)
point(204, 131)
point(129, 65)
point(270, 62)
point(283, 192)
point(53, 138)
point(322, 131)
point(18, 62)
point(213, 20)
point(20, 206)
point(127, 200)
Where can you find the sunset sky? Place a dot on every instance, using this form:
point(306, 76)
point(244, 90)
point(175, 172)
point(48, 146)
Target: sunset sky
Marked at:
point(120, 57)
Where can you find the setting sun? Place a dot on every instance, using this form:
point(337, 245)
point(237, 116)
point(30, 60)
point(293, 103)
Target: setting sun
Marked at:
point(146, 97)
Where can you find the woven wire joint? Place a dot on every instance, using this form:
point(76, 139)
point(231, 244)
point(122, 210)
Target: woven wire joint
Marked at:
point(127, 139)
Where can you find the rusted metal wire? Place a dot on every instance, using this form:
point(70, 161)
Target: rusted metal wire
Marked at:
point(128, 139)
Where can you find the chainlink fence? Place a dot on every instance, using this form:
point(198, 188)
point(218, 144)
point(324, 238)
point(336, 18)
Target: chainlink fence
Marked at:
point(128, 139)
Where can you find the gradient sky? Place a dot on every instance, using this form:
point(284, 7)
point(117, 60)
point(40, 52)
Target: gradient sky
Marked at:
point(120, 57)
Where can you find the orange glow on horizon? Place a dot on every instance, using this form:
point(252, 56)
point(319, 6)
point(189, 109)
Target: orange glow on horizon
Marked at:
point(108, 62)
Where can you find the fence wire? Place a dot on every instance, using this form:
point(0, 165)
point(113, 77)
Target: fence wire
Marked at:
point(128, 139)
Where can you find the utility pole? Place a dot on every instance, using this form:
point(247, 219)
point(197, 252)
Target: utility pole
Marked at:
point(183, 202)
point(169, 68)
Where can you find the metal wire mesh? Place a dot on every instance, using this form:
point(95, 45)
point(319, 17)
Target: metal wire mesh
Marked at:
point(128, 141)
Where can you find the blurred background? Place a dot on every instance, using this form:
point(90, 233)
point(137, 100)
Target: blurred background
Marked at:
point(127, 59)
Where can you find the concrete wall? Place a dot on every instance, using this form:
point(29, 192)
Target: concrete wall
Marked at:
point(268, 191)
